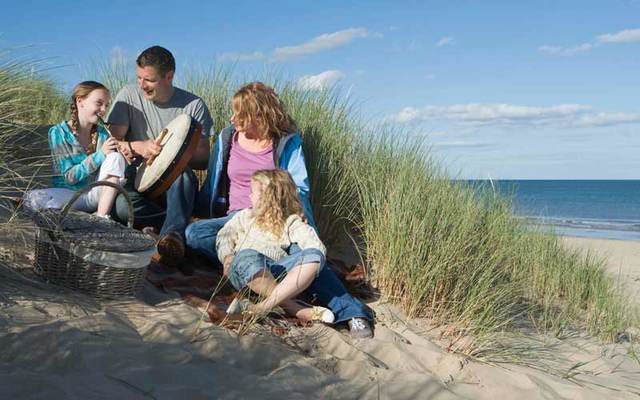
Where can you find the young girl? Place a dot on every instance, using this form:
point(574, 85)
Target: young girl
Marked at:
point(264, 136)
point(253, 246)
point(80, 147)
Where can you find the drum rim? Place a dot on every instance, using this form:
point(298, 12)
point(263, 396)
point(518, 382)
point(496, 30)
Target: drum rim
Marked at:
point(144, 180)
point(194, 128)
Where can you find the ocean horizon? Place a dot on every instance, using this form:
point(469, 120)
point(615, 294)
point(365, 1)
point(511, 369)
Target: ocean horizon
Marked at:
point(605, 209)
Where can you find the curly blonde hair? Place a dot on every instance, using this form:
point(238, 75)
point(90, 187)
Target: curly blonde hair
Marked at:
point(278, 200)
point(81, 91)
point(259, 104)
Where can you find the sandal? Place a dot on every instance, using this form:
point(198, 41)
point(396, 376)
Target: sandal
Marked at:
point(322, 314)
point(318, 313)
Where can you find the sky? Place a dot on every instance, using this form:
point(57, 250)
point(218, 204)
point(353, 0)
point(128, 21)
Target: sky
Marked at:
point(497, 89)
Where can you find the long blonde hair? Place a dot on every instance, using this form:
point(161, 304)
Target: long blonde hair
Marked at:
point(259, 104)
point(279, 200)
point(81, 91)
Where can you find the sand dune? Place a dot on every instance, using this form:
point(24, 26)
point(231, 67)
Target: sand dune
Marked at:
point(57, 344)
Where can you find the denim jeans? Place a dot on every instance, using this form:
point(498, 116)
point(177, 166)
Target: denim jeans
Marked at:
point(179, 198)
point(248, 263)
point(327, 289)
point(200, 236)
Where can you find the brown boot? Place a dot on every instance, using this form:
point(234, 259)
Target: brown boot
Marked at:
point(171, 249)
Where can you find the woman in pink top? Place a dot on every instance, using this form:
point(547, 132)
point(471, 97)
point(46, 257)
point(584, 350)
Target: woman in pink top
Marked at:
point(264, 136)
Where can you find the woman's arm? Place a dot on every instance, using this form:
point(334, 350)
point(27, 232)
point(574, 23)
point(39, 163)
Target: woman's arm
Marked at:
point(297, 168)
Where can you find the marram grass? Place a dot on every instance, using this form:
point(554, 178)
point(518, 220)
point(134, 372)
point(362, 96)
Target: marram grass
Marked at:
point(27, 99)
point(437, 247)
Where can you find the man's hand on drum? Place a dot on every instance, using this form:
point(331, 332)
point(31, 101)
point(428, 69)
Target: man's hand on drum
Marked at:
point(110, 145)
point(148, 148)
point(127, 151)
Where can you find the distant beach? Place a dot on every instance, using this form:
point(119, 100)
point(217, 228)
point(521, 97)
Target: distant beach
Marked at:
point(622, 258)
point(604, 209)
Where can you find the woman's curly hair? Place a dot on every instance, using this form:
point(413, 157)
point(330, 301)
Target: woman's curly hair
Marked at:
point(259, 104)
point(278, 200)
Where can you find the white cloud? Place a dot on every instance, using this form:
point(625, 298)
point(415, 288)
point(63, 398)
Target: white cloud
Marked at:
point(566, 51)
point(606, 119)
point(232, 56)
point(477, 114)
point(625, 36)
point(323, 80)
point(407, 115)
point(326, 41)
point(448, 40)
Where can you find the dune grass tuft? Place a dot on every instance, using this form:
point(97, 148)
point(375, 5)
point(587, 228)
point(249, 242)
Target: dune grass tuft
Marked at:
point(27, 100)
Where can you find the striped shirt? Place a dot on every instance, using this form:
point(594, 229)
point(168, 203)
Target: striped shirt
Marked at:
point(73, 168)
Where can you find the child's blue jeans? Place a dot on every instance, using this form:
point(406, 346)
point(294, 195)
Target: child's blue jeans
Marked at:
point(248, 263)
point(327, 288)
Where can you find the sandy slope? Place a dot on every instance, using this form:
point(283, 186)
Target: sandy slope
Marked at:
point(55, 344)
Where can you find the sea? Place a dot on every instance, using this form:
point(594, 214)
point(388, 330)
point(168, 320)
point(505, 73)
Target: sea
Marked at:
point(608, 209)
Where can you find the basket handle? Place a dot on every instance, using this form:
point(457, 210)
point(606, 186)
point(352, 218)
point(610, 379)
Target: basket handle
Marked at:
point(80, 192)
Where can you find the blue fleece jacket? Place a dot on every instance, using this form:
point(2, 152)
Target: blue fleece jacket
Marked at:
point(213, 198)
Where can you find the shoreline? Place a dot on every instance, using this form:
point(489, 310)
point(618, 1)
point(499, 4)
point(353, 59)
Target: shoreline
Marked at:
point(596, 238)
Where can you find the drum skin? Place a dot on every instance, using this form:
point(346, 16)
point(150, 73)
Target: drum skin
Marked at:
point(178, 146)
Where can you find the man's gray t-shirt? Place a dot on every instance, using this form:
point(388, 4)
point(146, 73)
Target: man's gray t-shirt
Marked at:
point(146, 119)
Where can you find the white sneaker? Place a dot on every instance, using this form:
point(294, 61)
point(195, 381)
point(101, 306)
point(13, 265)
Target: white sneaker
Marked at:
point(360, 328)
point(238, 306)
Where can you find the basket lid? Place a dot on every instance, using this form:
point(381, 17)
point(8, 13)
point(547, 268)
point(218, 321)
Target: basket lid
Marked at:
point(91, 231)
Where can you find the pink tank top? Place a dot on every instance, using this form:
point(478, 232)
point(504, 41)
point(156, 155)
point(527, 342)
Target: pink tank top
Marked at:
point(242, 164)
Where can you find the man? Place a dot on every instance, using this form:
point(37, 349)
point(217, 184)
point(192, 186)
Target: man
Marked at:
point(139, 114)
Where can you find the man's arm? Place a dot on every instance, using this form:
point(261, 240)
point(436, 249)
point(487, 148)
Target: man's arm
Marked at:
point(200, 157)
point(118, 131)
point(200, 113)
point(118, 122)
point(145, 148)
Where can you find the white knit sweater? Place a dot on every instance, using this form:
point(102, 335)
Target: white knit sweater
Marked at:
point(242, 232)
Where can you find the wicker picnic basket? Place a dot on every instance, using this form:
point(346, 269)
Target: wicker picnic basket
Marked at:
point(88, 253)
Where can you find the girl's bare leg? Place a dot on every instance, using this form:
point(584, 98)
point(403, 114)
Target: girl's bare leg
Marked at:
point(282, 294)
point(107, 196)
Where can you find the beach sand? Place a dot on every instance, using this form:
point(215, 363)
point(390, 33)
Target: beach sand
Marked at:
point(57, 344)
point(622, 259)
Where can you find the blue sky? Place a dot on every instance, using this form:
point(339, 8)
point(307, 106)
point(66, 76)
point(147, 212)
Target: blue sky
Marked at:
point(500, 89)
